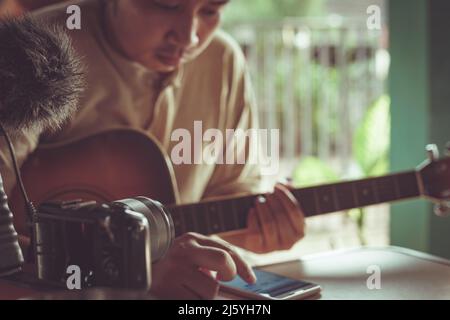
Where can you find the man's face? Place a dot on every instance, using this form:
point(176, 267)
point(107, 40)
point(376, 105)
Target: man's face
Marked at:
point(163, 34)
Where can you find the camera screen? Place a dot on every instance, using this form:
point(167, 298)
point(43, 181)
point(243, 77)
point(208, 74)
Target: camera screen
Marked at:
point(268, 284)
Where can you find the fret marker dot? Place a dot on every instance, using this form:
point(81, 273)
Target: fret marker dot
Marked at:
point(325, 198)
point(365, 192)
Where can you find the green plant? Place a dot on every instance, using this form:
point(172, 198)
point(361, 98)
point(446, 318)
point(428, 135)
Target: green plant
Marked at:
point(311, 171)
point(370, 152)
point(371, 139)
point(371, 149)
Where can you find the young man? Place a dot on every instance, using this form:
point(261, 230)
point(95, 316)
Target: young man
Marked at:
point(160, 65)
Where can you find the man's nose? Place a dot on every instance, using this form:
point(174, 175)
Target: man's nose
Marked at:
point(185, 32)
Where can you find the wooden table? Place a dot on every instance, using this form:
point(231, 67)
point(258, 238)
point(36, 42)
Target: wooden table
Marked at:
point(405, 274)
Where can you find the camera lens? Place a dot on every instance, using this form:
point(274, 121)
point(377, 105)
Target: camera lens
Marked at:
point(162, 230)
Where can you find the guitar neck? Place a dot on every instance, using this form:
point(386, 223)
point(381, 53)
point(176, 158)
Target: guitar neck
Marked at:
point(218, 216)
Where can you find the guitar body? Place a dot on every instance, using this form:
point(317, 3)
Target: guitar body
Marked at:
point(107, 166)
point(124, 163)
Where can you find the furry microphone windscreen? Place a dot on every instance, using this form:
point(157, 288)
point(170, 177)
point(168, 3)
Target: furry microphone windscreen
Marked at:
point(41, 76)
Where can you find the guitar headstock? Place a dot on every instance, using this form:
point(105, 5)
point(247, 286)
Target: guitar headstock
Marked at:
point(434, 181)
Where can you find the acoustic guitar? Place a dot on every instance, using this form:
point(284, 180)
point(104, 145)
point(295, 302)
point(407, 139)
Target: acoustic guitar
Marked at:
point(125, 163)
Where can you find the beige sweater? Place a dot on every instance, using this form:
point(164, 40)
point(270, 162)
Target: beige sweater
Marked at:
point(214, 88)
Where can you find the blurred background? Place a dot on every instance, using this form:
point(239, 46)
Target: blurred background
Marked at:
point(326, 77)
point(352, 100)
point(320, 76)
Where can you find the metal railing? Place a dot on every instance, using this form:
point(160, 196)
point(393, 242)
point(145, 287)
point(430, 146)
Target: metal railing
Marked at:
point(314, 79)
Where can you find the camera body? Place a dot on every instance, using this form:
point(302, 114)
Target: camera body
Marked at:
point(110, 243)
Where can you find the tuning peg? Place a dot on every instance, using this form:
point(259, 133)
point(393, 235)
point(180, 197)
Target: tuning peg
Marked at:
point(432, 151)
point(442, 209)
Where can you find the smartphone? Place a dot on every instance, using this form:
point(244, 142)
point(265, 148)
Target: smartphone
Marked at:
point(271, 286)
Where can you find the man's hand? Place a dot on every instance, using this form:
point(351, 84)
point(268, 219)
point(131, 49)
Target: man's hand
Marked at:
point(276, 222)
point(185, 272)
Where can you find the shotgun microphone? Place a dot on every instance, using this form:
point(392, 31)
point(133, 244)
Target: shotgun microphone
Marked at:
point(41, 79)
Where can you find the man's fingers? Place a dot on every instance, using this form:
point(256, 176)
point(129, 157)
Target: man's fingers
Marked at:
point(202, 285)
point(184, 272)
point(242, 268)
point(254, 238)
point(283, 193)
point(286, 230)
point(212, 258)
point(291, 206)
point(266, 219)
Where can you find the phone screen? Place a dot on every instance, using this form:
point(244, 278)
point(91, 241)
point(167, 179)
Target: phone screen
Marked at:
point(269, 284)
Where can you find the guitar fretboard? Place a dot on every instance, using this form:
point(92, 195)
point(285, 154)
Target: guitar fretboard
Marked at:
point(218, 216)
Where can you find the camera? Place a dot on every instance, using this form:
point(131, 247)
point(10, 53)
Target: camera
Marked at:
point(113, 244)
